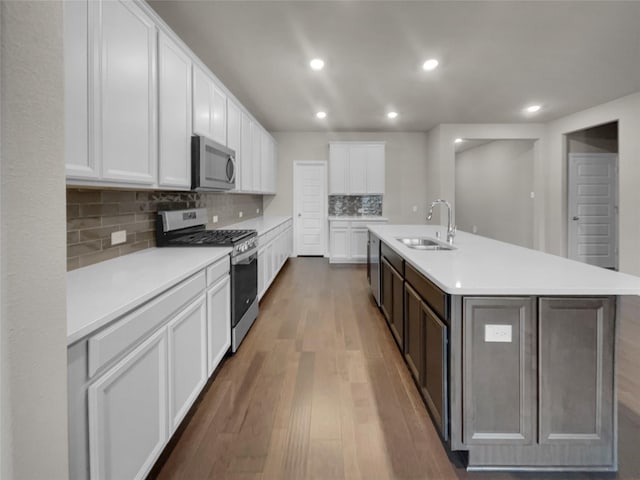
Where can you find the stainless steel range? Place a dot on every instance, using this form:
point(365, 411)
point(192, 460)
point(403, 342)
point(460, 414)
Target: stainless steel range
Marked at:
point(187, 228)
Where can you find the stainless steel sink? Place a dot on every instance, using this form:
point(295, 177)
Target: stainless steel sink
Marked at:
point(424, 243)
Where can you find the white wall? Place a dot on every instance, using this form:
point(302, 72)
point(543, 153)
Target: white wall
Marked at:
point(406, 170)
point(626, 111)
point(493, 185)
point(441, 161)
point(33, 363)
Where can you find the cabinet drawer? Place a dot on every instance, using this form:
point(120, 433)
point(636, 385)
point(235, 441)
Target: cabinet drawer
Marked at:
point(431, 294)
point(339, 224)
point(218, 270)
point(128, 331)
point(393, 258)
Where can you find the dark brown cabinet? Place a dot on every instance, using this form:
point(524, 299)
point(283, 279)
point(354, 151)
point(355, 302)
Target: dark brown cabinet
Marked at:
point(426, 343)
point(393, 300)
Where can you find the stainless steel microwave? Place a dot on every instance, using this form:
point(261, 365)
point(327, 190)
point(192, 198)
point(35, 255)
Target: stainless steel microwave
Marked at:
point(213, 166)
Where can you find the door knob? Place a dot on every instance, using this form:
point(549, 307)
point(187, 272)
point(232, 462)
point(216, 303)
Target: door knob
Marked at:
point(299, 214)
point(576, 218)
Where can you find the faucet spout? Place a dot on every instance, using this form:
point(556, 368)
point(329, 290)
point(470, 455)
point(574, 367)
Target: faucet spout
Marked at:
point(451, 228)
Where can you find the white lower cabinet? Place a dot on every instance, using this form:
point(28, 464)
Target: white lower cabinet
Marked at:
point(348, 239)
point(128, 413)
point(218, 321)
point(275, 247)
point(140, 376)
point(187, 337)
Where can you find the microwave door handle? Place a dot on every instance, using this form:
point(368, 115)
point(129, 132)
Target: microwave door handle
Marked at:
point(233, 176)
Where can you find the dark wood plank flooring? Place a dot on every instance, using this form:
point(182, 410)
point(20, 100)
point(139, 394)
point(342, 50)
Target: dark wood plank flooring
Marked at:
point(319, 390)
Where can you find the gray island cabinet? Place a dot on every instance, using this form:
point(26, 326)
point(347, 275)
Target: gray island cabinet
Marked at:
point(512, 350)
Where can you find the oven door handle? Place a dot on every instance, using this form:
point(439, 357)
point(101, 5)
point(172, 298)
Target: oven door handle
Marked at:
point(244, 258)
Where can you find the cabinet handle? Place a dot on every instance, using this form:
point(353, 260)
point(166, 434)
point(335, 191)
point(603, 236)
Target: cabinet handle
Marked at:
point(576, 218)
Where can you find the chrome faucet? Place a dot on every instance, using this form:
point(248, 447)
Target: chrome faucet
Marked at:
point(451, 228)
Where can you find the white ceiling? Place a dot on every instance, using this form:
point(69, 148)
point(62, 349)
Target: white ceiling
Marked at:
point(495, 58)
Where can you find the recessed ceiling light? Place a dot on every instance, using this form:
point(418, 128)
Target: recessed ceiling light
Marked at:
point(392, 115)
point(317, 64)
point(532, 108)
point(321, 114)
point(430, 64)
point(458, 140)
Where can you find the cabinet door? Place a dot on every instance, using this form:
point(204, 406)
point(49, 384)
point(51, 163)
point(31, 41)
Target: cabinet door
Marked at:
point(125, 97)
point(397, 311)
point(274, 165)
point(219, 115)
point(79, 160)
point(256, 139)
point(202, 103)
point(434, 386)
point(218, 322)
point(266, 161)
point(497, 371)
point(187, 336)
point(357, 173)
point(339, 244)
point(375, 169)
point(246, 177)
point(386, 300)
point(174, 114)
point(414, 335)
point(234, 138)
point(338, 161)
point(358, 240)
point(576, 352)
point(133, 393)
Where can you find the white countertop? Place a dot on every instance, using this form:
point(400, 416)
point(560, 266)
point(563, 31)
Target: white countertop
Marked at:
point(364, 218)
point(481, 266)
point(100, 293)
point(261, 224)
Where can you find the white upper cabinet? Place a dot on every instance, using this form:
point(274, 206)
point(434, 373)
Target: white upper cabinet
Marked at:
point(357, 173)
point(246, 160)
point(202, 103)
point(338, 161)
point(219, 115)
point(125, 96)
point(234, 137)
point(375, 169)
point(356, 168)
point(256, 139)
point(134, 96)
point(174, 114)
point(209, 107)
point(80, 163)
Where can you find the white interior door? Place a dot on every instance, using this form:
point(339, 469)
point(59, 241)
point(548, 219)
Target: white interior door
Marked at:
point(592, 212)
point(310, 207)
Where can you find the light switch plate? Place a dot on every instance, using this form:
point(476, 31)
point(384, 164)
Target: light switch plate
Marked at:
point(497, 333)
point(215, 219)
point(239, 214)
point(118, 237)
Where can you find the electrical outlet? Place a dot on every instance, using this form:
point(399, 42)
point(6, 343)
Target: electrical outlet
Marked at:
point(415, 208)
point(497, 333)
point(257, 210)
point(215, 219)
point(474, 229)
point(240, 214)
point(532, 194)
point(118, 237)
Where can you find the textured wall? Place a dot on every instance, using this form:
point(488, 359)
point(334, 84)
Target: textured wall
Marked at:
point(33, 322)
point(493, 186)
point(93, 215)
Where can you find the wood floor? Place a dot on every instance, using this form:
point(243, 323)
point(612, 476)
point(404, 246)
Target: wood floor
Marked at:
point(319, 390)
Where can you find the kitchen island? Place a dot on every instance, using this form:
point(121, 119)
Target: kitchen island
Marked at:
point(513, 350)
